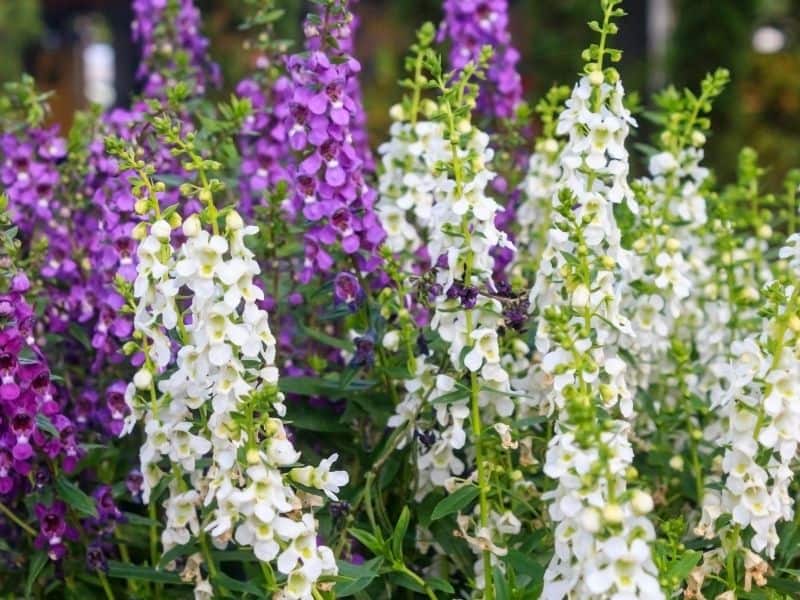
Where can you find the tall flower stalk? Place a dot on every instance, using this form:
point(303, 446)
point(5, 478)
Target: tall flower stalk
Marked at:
point(212, 411)
point(602, 535)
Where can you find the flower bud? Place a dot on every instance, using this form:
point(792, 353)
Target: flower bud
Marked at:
point(464, 126)
point(141, 206)
point(191, 226)
point(391, 341)
point(233, 221)
point(642, 502)
point(794, 323)
point(550, 146)
point(139, 232)
point(698, 139)
point(253, 456)
point(161, 230)
point(612, 513)
point(596, 78)
point(676, 462)
point(590, 520)
point(608, 262)
point(142, 379)
point(175, 220)
point(673, 245)
point(640, 245)
point(396, 112)
point(580, 297)
point(764, 232)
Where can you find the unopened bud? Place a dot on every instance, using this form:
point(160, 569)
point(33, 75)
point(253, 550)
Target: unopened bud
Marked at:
point(396, 112)
point(139, 232)
point(580, 297)
point(141, 206)
point(161, 230)
point(233, 221)
point(642, 502)
point(676, 462)
point(191, 226)
point(764, 232)
point(698, 139)
point(612, 513)
point(673, 245)
point(391, 341)
point(590, 520)
point(596, 78)
point(142, 379)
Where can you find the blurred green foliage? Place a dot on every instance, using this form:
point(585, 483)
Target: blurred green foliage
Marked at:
point(20, 24)
point(761, 108)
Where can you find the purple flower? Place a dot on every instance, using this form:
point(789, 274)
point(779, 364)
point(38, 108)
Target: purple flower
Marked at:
point(53, 529)
point(471, 24)
point(172, 45)
point(323, 122)
point(347, 289)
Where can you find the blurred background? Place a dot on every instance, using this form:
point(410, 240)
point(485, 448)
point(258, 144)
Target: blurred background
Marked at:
point(81, 50)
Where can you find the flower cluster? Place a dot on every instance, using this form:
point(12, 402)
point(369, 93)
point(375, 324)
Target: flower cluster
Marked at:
point(209, 419)
point(172, 45)
point(330, 189)
point(29, 400)
point(470, 25)
point(757, 401)
point(602, 532)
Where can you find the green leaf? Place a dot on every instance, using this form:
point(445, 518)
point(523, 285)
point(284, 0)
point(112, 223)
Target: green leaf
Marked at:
point(134, 519)
point(80, 334)
point(44, 423)
point(405, 581)
point(524, 565)
point(787, 586)
point(370, 541)
point(501, 589)
point(329, 340)
point(235, 585)
point(349, 588)
point(74, 496)
point(460, 393)
point(315, 420)
point(454, 502)
point(177, 552)
point(681, 568)
point(35, 569)
point(139, 573)
point(439, 585)
point(354, 578)
point(400, 533)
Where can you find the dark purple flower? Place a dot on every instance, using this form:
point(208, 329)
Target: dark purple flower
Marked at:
point(347, 289)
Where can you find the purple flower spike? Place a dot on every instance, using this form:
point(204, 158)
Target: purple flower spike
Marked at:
point(471, 24)
point(325, 124)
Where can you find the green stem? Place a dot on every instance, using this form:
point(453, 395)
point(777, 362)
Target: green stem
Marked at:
point(417, 579)
point(106, 586)
point(10, 514)
point(153, 533)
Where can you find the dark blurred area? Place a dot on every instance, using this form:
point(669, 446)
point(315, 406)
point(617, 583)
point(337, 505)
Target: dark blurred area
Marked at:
point(81, 50)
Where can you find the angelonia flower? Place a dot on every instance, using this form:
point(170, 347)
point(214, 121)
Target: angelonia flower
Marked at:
point(539, 184)
point(29, 174)
point(758, 402)
point(329, 186)
point(469, 25)
point(466, 316)
point(27, 395)
point(263, 143)
point(173, 47)
point(212, 411)
point(602, 533)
